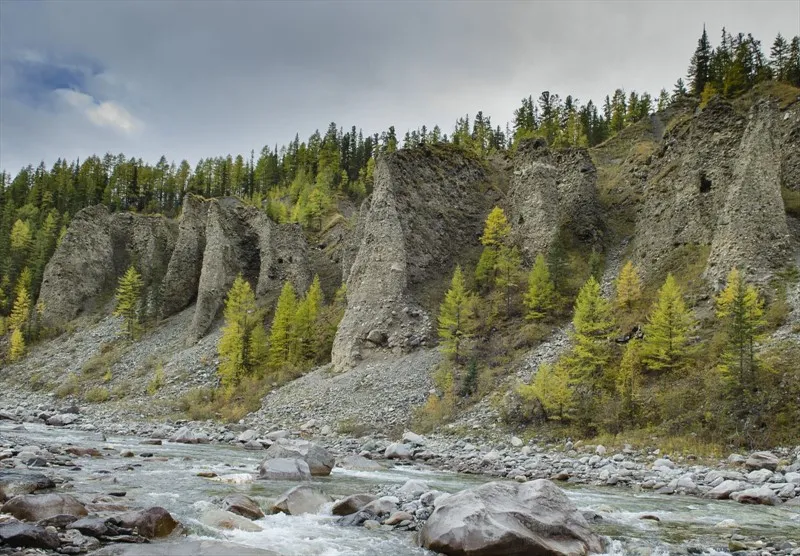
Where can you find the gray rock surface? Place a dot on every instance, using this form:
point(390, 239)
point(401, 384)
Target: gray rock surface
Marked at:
point(352, 504)
point(222, 519)
point(36, 507)
point(302, 499)
point(243, 505)
point(285, 469)
point(320, 461)
point(15, 482)
point(509, 519)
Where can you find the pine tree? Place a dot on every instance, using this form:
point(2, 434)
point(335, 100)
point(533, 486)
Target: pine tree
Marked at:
point(666, 335)
point(793, 64)
point(779, 54)
point(306, 321)
point(242, 346)
point(282, 336)
point(699, 66)
point(17, 348)
point(455, 322)
point(679, 91)
point(540, 297)
point(741, 312)
point(629, 288)
point(129, 297)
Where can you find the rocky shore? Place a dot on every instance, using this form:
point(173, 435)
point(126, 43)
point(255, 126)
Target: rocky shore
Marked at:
point(769, 478)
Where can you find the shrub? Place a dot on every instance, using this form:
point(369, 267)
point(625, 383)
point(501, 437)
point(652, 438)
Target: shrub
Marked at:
point(97, 395)
point(156, 382)
point(67, 388)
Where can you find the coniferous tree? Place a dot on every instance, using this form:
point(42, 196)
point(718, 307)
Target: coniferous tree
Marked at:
point(550, 388)
point(129, 298)
point(496, 235)
point(793, 64)
point(629, 287)
point(508, 272)
point(679, 91)
point(699, 65)
point(456, 314)
point(779, 54)
point(306, 321)
point(243, 344)
point(282, 336)
point(21, 309)
point(628, 380)
point(741, 312)
point(593, 324)
point(540, 297)
point(666, 335)
point(17, 345)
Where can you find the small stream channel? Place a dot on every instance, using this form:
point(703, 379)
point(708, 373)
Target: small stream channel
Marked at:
point(169, 479)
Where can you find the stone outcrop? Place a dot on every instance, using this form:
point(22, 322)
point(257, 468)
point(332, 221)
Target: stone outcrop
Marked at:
point(196, 258)
point(716, 182)
point(504, 518)
point(97, 249)
point(426, 209)
point(553, 192)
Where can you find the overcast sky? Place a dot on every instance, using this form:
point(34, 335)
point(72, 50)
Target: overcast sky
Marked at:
point(195, 79)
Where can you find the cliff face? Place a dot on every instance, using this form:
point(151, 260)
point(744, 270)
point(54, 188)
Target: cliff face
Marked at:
point(98, 248)
point(426, 209)
point(195, 258)
point(552, 192)
point(716, 181)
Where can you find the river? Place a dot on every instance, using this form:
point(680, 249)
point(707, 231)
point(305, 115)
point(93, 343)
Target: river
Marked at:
point(169, 479)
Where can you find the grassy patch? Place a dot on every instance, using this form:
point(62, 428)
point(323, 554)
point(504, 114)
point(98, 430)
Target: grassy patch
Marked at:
point(97, 394)
point(791, 201)
point(353, 427)
point(102, 362)
point(157, 381)
point(201, 404)
point(69, 387)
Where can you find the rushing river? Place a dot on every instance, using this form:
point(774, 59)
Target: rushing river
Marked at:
point(169, 479)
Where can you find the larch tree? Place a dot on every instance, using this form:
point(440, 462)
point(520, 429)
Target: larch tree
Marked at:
point(455, 321)
point(306, 323)
point(628, 379)
point(541, 294)
point(628, 288)
point(282, 336)
point(741, 312)
point(242, 346)
point(550, 388)
point(508, 273)
point(593, 322)
point(21, 309)
point(496, 235)
point(129, 299)
point(16, 349)
point(665, 346)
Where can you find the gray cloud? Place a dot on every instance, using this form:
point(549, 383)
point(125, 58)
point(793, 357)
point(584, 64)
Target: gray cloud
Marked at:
point(195, 79)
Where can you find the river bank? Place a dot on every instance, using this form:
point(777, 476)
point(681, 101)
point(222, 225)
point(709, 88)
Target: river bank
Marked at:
point(642, 500)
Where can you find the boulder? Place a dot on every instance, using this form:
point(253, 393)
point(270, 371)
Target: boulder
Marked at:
point(62, 420)
point(352, 504)
point(243, 505)
point(319, 460)
point(398, 517)
point(759, 476)
point(154, 522)
point(762, 460)
point(501, 518)
point(359, 463)
point(247, 436)
point(186, 436)
point(413, 438)
point(384, 505)
point(284, 469)
point(398, 450)
point(413, 489)
point(724, 490)
point(91, 526)
point(300, 500)
point(35, 507)
point(357, 519)
point(761, 495)
point(204, 547)
point(220, 519)
point(16, 482)
point(25, 535)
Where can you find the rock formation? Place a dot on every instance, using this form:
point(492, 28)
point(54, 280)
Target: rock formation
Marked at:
point(552, 191)
point(426, 209)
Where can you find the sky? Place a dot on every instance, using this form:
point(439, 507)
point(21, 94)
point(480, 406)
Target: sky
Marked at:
point(192, 79)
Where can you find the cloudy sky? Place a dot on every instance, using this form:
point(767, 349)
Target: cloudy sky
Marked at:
point(194, 79)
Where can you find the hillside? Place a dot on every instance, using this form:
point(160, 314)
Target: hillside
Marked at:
point(692, 191)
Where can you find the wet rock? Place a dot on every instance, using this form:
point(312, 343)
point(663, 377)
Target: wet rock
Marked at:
point(82, 452)
point(36, 507)
point(220, 519)
point(91, 526)
point(762, 460)
point(243, 505)
point(509, 519)
point(760, 495)
point(352, 504)
point(724, 490)
point(285, 469)
point(155, 522)
point(58, 521)
point(383, 506)
point(413, 489)
point(320, 461)
point(25, 535)
point(359, 463)
point(186, 436)
point(398, 517)
point(357, 519)
point(300, 500)
point(16, 482)
point(247, 436)
point(184, 548)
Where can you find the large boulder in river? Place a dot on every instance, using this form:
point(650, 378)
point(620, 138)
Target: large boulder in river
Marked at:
point(220, 519)
point(352, 504)
point(509, 519)
point(35, 507)
point(284, 469)
point(25, 535)
point(16, 482)
point(761, 495)
point(300, 500)
point(243, 505)
point(151, 523)
point(320, 461)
